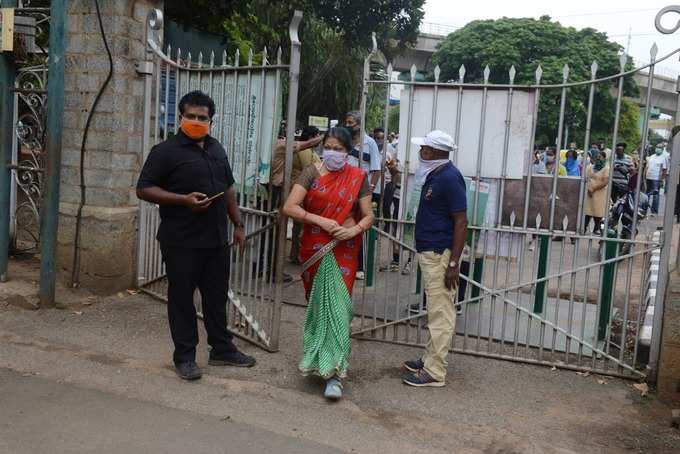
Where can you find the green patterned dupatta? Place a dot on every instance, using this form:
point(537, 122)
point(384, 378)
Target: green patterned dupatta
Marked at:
point(326, 339)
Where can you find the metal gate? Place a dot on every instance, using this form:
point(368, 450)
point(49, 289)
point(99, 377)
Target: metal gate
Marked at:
point(536, 285)
point(248, 100)
point(29, 120)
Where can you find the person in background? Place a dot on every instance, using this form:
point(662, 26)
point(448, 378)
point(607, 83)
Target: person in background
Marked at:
point(602, 146)
point(634, 174)
point(597, 176)
point(538, 166)
point(301, 160)
point(383, 148)
point(656, 173)
point(333, 201)
point(440, 233)
point(620, 172)
point(276, 182)
point(391, 199)
point(182, 175)
point(551, 163)
point(368, 159)
point(572, 164)
point(667, 155)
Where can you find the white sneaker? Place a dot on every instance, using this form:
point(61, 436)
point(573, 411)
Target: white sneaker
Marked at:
point(333, 389)
point(360, 276)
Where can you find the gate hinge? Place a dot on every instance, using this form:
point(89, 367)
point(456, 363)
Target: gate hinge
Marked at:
point(144, 68)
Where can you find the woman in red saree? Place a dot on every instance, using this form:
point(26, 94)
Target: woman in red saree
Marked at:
point(333, 200)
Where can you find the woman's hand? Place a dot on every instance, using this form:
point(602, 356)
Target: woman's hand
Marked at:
point(329, 225)
point(343, 233)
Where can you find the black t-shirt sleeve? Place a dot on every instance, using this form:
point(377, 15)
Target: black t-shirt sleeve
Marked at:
point(154, 170)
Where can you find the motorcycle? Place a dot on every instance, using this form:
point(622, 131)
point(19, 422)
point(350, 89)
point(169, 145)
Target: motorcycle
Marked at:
point(623, 212)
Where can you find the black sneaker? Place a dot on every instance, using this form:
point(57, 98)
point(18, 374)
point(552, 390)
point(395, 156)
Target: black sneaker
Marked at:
point(188, 370)
point(414, 365)
point(236, 359)
point(422, 379)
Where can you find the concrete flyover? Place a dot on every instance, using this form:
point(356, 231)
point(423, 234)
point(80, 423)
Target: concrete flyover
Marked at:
point(664, 92)
point(420, 54)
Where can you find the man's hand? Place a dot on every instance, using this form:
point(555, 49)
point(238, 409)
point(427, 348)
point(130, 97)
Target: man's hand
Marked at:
point(240, 237)
point(197, 201)
point(451, 277)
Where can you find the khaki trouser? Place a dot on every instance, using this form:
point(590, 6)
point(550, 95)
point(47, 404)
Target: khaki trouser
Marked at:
point(441, 315)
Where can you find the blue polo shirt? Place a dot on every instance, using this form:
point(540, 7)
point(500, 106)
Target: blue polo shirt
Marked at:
point(442, 195)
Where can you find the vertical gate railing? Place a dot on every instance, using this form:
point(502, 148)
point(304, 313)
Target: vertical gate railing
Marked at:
point(537, 286)
point(29, 119)
point(248, 100)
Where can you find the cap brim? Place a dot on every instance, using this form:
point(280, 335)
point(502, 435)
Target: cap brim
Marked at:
point(420, 141)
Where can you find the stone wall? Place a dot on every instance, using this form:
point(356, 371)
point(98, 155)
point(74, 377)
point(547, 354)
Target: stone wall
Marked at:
point(668, 378)
point(114, 145)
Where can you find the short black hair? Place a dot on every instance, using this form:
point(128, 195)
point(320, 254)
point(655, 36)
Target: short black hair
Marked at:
point(308, 132)
point(197, 99)
point(342, 135)
point(621, 144)
point(377, 130)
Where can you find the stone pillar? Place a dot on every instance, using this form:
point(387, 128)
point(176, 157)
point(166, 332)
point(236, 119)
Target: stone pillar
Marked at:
point(108, 235)
point(668, 377)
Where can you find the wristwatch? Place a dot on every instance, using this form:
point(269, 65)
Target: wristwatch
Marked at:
point(453, 264)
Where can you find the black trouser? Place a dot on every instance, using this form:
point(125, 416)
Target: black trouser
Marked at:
point(207, 270)
point(597, 221)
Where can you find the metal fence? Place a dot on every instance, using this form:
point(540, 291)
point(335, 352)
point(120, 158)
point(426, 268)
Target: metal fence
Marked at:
point(536, 285)
point(29, 119)
point(249, 101)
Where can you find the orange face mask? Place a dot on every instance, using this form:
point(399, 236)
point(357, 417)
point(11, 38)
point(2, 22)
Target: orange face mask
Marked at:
point(195, 129)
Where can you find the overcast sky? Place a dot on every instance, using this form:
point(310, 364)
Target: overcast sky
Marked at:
point(615, 18)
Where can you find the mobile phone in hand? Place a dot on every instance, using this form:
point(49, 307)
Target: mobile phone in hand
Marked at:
point(209, 199)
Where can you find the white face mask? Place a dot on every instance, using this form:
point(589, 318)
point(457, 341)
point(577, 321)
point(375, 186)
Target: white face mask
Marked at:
point(426, 167)
point(334, 160)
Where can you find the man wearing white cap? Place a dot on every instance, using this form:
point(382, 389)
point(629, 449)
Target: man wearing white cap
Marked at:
point(441, 228)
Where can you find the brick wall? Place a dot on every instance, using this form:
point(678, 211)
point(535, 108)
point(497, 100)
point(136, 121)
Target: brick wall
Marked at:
point(113, 150)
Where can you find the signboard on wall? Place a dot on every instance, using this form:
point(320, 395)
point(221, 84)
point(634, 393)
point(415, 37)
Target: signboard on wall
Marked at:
point(445, 118)
point(319, 122)
point(6, 29)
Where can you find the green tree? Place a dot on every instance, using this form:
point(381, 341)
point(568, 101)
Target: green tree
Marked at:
point(527, 43)
point(336, 37)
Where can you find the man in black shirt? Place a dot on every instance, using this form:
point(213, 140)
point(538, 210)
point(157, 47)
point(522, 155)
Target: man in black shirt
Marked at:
point(190, 178)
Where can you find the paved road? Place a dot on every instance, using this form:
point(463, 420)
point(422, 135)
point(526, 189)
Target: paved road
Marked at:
point(43, 416)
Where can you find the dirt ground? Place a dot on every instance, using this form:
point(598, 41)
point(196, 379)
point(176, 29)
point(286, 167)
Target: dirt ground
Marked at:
point(121, 345)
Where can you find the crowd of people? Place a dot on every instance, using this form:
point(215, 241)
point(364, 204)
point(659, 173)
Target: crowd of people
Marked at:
point(594, 167)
